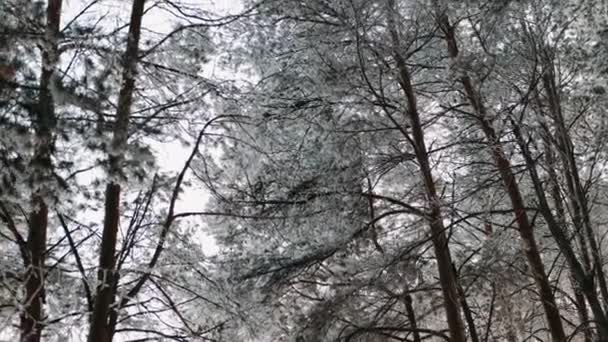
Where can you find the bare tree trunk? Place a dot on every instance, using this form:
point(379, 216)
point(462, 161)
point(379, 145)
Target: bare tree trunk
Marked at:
point(32, 317)
point(99, 330)
point(575, 187)
point(526, 231)
point(584, 280)
point(581, 305)
point(447, 277)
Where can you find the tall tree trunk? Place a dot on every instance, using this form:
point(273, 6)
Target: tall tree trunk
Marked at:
point(525, 228)
point(584, 280)
point(447, 277)
point(99, 329)
point(575, 187)
point(556, 193)
point(32, 318)
point(581, 305)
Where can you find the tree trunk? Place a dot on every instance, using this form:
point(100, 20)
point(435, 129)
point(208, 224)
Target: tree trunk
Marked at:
point(584, 280)
point(467, 312)
point(581, 305)
point(525, 228)
point(575, 187)
point(99, 329)
point(32, 318)
point(411, 313)
point(447, 277)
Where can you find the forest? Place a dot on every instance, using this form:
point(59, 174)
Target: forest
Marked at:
point(303, 171)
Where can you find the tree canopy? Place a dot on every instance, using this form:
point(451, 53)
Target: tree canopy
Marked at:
point(324, 170)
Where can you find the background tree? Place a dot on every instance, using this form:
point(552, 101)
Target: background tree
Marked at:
point(490, 64)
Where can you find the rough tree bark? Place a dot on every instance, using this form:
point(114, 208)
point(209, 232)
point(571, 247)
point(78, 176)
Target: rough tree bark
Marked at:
point(32, 317)
point(503, 164)
point(447, 277)
point(105, 294)
point(583, 280)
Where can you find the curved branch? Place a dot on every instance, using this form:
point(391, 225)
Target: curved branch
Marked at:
point(170, 215)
